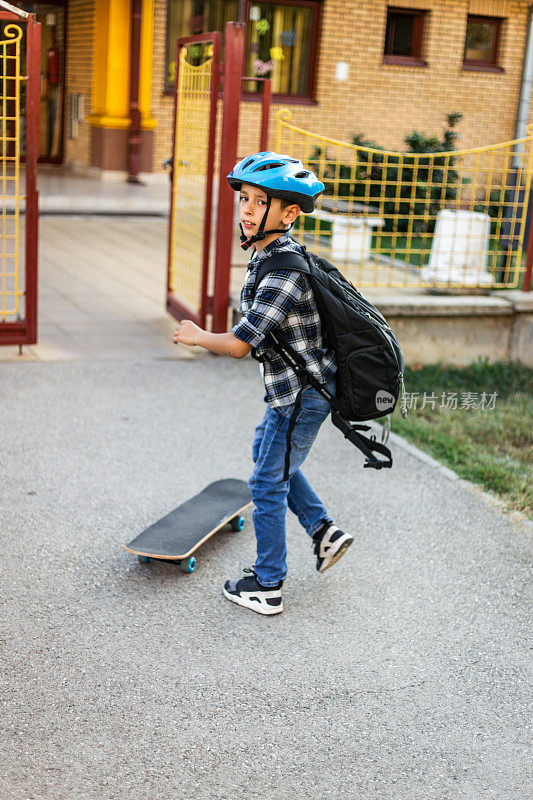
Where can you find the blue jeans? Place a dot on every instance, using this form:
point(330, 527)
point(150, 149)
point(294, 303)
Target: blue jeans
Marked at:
point(271, 494)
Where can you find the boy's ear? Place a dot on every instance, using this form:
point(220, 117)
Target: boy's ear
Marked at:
point(290, 213)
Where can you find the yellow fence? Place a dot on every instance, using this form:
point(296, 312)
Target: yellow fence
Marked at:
point(12, 281)
point(436, 220)
point(190, 179)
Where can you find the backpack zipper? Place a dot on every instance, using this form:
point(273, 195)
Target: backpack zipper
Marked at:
point(384, 330)
point(403, 399)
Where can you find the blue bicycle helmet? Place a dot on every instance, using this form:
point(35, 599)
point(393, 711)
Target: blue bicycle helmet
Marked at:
point(278, 176)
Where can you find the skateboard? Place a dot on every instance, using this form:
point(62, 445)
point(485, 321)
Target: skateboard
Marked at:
point(179, 534)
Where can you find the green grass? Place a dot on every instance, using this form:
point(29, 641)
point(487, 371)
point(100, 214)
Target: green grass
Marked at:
point(491, 447)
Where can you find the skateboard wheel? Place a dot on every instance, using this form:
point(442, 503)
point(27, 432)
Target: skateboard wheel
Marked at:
point(143, 559)
point(188, 564)
point(237, 523)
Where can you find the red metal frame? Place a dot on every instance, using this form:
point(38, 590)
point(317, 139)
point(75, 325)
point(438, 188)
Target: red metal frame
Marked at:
point(234, 57)
point(178, 308)
point(218, 304)
point(25, 331)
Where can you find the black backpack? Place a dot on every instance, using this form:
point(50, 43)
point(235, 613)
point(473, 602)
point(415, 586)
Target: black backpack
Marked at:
point(369, 361)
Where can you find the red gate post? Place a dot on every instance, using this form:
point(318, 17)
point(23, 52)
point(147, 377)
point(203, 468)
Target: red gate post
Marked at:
point(233, 64)
point(23, 330)
point(33, 61)
point(265, 112)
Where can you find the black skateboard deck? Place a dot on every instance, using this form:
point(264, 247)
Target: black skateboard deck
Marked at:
point(176, 536)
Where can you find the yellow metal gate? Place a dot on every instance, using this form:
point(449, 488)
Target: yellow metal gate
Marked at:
point(449, 219)
point(197, 78)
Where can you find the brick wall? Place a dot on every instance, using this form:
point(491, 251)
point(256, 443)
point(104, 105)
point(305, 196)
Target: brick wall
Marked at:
point(80, 35)
point(162, 105)
point(386, 102)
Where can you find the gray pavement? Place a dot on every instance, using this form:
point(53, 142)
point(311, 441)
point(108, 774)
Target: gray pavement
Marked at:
point(400, 673)
point(62, 191)
point(102, 284)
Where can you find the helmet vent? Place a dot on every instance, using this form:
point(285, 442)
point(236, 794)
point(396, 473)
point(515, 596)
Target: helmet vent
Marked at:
point(250, 161)
point(301, 175)
point(268, 166)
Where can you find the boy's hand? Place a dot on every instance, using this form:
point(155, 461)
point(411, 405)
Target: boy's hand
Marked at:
point(224, 344)
point(186, 332)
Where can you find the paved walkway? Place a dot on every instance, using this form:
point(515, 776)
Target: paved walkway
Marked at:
point(64, 192)
point(101, 291)
point(102, 277)
point(400, 674)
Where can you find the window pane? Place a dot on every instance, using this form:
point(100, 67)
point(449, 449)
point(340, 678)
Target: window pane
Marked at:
point(189, 17)
point(399, 39)
point(480, 41)
point(279, 47)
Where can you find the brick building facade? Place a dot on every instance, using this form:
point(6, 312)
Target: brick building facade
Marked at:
point(359, 82)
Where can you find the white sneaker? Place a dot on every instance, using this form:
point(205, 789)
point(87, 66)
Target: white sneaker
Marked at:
point(330, 545)
point(250, 593)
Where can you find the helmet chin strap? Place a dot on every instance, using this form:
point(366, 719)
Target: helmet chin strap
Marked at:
point(247, 242)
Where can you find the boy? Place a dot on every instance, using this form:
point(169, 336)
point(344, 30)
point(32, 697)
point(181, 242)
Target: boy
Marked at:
point(274, 189)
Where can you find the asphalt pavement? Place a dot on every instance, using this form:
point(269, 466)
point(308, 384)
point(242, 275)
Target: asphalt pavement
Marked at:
point(402, 673)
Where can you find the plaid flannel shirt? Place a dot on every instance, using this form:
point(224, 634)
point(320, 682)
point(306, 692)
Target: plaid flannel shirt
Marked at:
point(284, 301)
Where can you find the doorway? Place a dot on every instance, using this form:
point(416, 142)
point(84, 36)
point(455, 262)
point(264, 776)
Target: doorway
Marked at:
point(52, 17)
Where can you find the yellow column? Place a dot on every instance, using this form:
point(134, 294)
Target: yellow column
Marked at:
point(111, 65)
point(146, 65)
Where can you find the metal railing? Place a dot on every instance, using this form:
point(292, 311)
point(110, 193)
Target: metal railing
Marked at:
point(19, 132)
point(12, 291)
point(441, 220)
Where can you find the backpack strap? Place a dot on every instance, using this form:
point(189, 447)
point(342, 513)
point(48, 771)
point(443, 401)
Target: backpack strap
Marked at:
point(288, 438)
point(284, 260)
point(366, 445)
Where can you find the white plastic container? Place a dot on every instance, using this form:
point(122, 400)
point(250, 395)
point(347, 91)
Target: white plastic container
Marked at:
point(351, 237)
point(460, 249)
